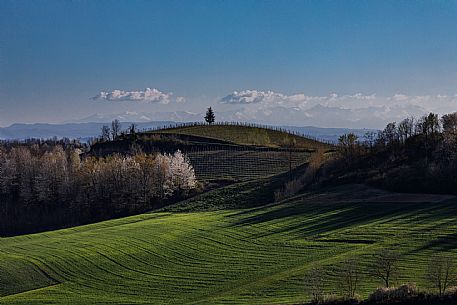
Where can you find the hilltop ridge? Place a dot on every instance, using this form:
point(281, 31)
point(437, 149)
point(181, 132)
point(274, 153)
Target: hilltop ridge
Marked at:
point(234, 152)
point(248, 134)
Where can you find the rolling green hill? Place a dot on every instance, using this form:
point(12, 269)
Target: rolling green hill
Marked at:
point(223, 151)
point(241, 256)
point(248, 135)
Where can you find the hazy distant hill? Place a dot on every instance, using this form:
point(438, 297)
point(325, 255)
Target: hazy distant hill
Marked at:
point(328, 134)
point(69, 130)
point(92, 129)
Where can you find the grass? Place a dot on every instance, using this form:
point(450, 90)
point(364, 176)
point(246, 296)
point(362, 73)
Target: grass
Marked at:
point(246, 135)
point(241, 256)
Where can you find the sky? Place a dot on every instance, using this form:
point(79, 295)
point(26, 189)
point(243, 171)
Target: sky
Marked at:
point(323, 63)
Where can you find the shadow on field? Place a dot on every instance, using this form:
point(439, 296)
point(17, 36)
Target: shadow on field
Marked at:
point(445, 242)
point(442, 244)
point(319, 216)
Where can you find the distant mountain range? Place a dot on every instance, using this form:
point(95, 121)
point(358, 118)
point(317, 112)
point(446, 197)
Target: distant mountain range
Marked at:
point(87, 130)
point(82, 131)
point(328, 134)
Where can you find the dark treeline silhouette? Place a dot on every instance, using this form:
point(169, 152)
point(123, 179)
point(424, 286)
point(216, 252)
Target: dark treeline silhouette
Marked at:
point(45, 144)
point(47, 185)
point(415, 155)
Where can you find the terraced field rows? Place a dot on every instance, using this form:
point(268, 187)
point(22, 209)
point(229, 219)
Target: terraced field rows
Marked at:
point(243, 165)
point(250, 256)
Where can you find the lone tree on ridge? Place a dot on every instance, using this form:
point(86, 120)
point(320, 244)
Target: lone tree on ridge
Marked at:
point(210, 117)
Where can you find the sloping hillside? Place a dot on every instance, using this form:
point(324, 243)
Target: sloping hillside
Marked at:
point(250, 256)
point(248, 135)
point(223, 152)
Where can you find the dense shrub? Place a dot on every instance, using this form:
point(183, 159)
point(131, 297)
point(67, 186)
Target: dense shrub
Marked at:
point(403, 292)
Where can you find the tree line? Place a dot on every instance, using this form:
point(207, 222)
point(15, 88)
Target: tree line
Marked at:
point(423, 148)
point(44, 187)
point(440, 276)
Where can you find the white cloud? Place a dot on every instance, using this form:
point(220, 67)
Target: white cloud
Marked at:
point(349, 110)
point(250, 97)
point(147, 96)
point(299, 100)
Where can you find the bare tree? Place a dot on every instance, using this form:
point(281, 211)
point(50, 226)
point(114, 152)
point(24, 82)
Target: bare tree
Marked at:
point(385, 266)
point(105, 133)
point(406, 129)
point(433, 123)
point(349, 277)
point(348, 144)
point(115, 128)
point(314, 281)
point(145, 176)
point(428, 126)
point(441, 272)
point(390, 133)
point(449, 122)
point(370, 138)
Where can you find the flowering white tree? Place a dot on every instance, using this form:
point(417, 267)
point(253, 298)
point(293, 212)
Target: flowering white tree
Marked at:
point(182, 172)
point(164, 186)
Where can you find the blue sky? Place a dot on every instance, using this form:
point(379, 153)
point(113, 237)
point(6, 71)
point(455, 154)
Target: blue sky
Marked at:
point(55, 56)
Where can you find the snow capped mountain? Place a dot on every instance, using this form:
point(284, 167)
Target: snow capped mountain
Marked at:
point(90, 126)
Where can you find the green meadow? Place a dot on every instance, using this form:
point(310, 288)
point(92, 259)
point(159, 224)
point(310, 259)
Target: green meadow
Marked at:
point(254, 255)
point(248, 135)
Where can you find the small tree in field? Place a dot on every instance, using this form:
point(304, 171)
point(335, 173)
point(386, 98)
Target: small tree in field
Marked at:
point(441, 272)
point(349, 277)
point(210, 117)
point(314, 281)
point(385, 266)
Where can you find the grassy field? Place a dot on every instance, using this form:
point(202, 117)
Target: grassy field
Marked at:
point(239, 256)
point(245, 135)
